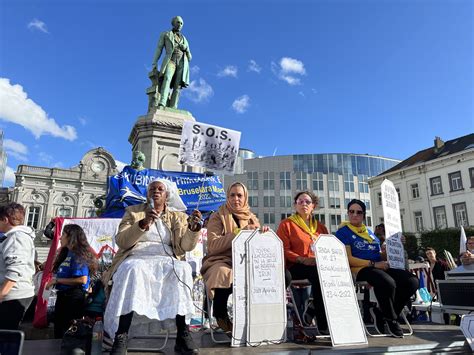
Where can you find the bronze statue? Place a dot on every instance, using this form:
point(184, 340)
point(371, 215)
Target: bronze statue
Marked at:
point(138, 159)
point(174, 71)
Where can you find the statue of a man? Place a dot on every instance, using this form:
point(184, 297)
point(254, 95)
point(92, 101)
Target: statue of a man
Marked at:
point(138, 159)
point(174, 71)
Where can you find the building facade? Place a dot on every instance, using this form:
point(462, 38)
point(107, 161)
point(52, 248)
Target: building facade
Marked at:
point(335, 178)
point(435, 186)
point(54, 192)
point(3, 159)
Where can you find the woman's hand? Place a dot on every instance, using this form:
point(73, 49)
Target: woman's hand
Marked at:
point(195, 221)
point(383, 265)
point(150, 216)
point(308, 261)
point(264, 229)
point(51, 283)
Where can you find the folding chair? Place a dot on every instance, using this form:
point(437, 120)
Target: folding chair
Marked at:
point(211, 327)
point(307, 330)
point(11, 342)
point(366, 296)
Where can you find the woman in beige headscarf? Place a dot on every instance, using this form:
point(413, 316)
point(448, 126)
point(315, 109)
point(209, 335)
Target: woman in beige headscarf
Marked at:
point(224, 225)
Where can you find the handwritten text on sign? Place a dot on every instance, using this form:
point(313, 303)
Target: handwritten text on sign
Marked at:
point(393, 225)
point(337, 287)
point(265, 274)
point(210, 147)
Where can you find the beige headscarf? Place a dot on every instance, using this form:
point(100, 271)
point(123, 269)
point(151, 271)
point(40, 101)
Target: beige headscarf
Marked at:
point(242, 213)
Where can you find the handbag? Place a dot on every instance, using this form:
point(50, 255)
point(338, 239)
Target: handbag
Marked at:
point(78, 338)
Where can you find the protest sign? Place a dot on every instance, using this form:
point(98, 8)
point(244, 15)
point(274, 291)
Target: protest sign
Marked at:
point(128, 188)
point(266, 304)
point(342, 310)
point(393, 225)
point(239, 294)
point(210, 147)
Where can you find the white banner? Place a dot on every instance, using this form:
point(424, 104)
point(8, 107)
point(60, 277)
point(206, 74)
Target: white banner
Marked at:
point(211, 147)
point(393, 225)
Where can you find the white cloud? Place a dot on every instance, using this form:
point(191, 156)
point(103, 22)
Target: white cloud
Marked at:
point(301, 93)
point(199, 91)
point(16, 149)
point(289, 70)
point(9, 178)
point(36, 24)
point(17, 108)
point(229, 70)
point(120, 164)
point(241, 104)
point(195, 70)
point(290, 65)
point(253, 66)
point(45, 158)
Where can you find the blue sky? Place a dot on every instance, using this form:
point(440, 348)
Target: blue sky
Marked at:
point(382, 77)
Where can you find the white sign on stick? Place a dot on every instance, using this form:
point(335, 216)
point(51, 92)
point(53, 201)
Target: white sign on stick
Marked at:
point(211, 147)
point(393, 225)
point(239, 302)
point(342, 309)
point(266, 303)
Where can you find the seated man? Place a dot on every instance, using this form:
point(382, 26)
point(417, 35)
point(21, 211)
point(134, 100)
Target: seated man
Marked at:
point(467, 258)
point(148, 276)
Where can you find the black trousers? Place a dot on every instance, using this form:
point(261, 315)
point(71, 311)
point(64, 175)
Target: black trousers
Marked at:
point(219, 303)
point(12, 312)
point(125, 322)
point(69, 305)
point(301, 272)
point(393, 288)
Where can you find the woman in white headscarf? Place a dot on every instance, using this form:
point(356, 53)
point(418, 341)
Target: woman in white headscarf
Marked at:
point(146, 275)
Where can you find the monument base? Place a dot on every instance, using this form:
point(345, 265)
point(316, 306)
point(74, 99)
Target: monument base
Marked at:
point(158, 136)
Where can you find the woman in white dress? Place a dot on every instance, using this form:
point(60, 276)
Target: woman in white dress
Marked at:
point(147, 276)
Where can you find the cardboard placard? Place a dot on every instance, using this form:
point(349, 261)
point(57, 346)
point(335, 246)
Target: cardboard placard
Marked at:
point(239, 304)
point(266, 304)
point(393, 225)
point(342, 309)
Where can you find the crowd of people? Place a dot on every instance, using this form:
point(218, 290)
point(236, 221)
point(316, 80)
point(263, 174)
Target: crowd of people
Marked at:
point(149, 280)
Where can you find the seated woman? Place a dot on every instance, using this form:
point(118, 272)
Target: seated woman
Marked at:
point(223, 226)
point(73, 266)
point(392, 287)
point(297, 233)
point(148, 276)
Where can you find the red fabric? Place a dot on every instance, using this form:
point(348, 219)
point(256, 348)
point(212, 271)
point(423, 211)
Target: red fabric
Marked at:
point(40, 320)
point(296, 242)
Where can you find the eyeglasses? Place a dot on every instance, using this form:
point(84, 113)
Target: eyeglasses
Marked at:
point(304, 202)
point(356, 212)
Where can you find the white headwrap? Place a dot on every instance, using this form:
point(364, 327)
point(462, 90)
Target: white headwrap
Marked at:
point(173, 202)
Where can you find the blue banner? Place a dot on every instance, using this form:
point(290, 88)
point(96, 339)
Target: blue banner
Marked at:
point(129, 188)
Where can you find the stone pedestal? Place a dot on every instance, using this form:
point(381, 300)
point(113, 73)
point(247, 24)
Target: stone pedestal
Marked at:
point(158, 136)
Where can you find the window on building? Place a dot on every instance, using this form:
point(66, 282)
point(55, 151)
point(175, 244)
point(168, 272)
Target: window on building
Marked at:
point(268, 201)
point(348, 182)
point(363, 183)
point(64, 212)
point(318, 181)
point(460, 214)
point(368, 221)
point(301, 181)
point(436, 186)
point(379, 198)
point(321, 202)
point(33, 217)
point(269, 180)
point(439, 214)
point(335, 221)
point(418, 221)
point(334, 202)
point(455, 181)
point(285, 180)
point(90, 213)
point(252, 181)
point(284, 216)
point(367, 203)
point(415, 191)
point(471, 175)
point(398, 193)
point(346, 202)
point(285, 201)
point(253, 200)
point(402, 221)
point(333, 182)
point(320, 217)
point(268, 218)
